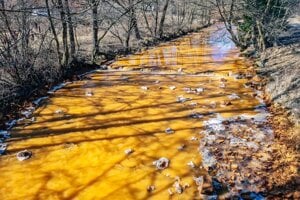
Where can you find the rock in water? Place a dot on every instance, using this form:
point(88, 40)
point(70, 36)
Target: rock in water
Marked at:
point(181, 147)
point(199, 90)
point(162, 163)
point(199, 182)
point(59, 111)
point(181, 99)
point(191, 164)
point(89, 93)
point(222, 85)
point(178, 187)
point(233, 96)
point(128, 151)
point(170, 191)
point(172, 87)
point(196, 115)
point(150, 188)
point(24, 155)
point(169, 131)
point(144, 88)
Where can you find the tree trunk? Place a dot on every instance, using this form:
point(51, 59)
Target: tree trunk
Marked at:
point(135, 26)
point(127, 41)
point(53, 31)
point(95, 29)
point(156, 17)
point(24, 31)
point(71, 30)
point(134, 20)
point(66, 55)
point(147, 22)
point(261, 37)
point(162, 20)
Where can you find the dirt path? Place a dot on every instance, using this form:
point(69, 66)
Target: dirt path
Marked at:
point(189, 101)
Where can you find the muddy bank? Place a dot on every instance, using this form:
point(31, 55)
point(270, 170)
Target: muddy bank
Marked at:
point(280, 65)
point(282, 69)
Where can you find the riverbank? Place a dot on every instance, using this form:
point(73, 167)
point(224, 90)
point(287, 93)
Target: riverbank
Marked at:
point(279, 66)
point(281, 69)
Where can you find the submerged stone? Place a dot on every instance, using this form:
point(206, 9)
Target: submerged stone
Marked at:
point(144, 88)
point(169, 131)
point(182, 99)
point(172, 87)
point(151, 188)
point(24, 155)
point(233, 96)
point(162, 163)
point(178, 187)
point(181, 147)
point(191, 164)
point(89, 93)
point(128, 151)
point(196, 115)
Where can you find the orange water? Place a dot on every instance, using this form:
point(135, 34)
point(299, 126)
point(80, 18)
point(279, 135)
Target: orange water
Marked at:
point(79, 153)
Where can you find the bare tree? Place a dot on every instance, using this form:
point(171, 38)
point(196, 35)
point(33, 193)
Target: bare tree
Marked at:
point(39, 40)
point(66, 55)
point(162, 19)
point(94, 6)
point(256, 23)
point(53, 32)
point(71, 29)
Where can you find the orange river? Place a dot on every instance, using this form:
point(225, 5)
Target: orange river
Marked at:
point(79, 135)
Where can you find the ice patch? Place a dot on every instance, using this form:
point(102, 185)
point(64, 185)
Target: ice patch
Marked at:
point(181, 99)
point(172, 87)
point(4, 134)
point(215, 124)
point(233, 96)
point(144, 88)
point(3, 148)
point(57, 87)
point(191, 164)
point(237, 141)
point(39, 100)
point(208, 160)
point(27, 112)
point(11, 124)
